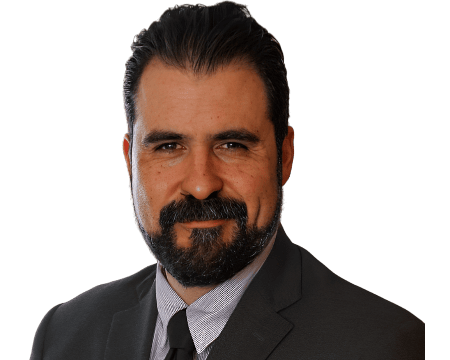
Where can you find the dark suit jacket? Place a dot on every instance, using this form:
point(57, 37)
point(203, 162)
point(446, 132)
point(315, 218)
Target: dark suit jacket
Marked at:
point(295, 308)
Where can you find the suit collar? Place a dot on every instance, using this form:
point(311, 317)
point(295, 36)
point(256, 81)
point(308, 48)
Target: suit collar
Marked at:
point(131, 332)
point(255, 328)
point(279, 280)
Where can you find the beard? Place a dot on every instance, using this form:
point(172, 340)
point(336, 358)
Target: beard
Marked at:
point(210, 260)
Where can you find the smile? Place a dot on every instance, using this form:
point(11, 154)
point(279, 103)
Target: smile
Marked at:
point(203, 224)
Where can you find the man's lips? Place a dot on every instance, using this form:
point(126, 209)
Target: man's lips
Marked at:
point(203, 224)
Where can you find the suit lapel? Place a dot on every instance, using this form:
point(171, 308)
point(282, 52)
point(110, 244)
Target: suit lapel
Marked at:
point(252, 332)
point(131, 332)
point(255, 328)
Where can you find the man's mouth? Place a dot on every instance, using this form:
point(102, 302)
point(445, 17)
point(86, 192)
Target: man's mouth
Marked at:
point(203, 224)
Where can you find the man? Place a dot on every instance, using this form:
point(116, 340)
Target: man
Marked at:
point(208, 150)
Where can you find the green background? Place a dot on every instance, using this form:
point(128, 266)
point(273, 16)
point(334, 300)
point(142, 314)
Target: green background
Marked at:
point(368, 195)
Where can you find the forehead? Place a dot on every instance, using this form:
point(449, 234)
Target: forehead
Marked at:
point(175, 99)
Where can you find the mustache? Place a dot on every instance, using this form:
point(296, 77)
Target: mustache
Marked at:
point(192, 209)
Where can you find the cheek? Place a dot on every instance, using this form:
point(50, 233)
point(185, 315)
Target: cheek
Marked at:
point(152, 189)
point(145, 197)
point(266, 197)
point(257, 186)
point(142, 200)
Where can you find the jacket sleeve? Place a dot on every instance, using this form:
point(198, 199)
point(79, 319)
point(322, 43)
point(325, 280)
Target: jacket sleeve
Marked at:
point(37, 352)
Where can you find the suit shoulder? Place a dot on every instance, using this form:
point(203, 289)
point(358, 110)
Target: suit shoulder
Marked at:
point(330, 289)
point(106, 299)
point(69, 328)
point(348, 321)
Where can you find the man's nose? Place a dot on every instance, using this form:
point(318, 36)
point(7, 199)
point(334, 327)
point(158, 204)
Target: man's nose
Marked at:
point(201, 178)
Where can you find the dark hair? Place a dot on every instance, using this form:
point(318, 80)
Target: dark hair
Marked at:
point(202, 38)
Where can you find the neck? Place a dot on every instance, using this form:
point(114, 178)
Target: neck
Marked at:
point(190, 294)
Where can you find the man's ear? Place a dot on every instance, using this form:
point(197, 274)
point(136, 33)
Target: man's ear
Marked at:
point(288, 154)
point(127, 152)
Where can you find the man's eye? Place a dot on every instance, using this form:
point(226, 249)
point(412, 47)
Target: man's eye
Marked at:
point(168, 147)
point(234, 146)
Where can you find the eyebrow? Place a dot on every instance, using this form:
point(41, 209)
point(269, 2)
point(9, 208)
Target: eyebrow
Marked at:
point(237, 134)
point(157, 136)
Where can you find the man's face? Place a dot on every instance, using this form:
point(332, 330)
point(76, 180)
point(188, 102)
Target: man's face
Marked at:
point(204, 146)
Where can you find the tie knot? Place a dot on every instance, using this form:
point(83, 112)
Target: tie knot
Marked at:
point(179, 334)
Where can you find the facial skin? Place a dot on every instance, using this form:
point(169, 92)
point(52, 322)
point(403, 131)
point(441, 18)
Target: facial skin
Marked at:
point(203, 136)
